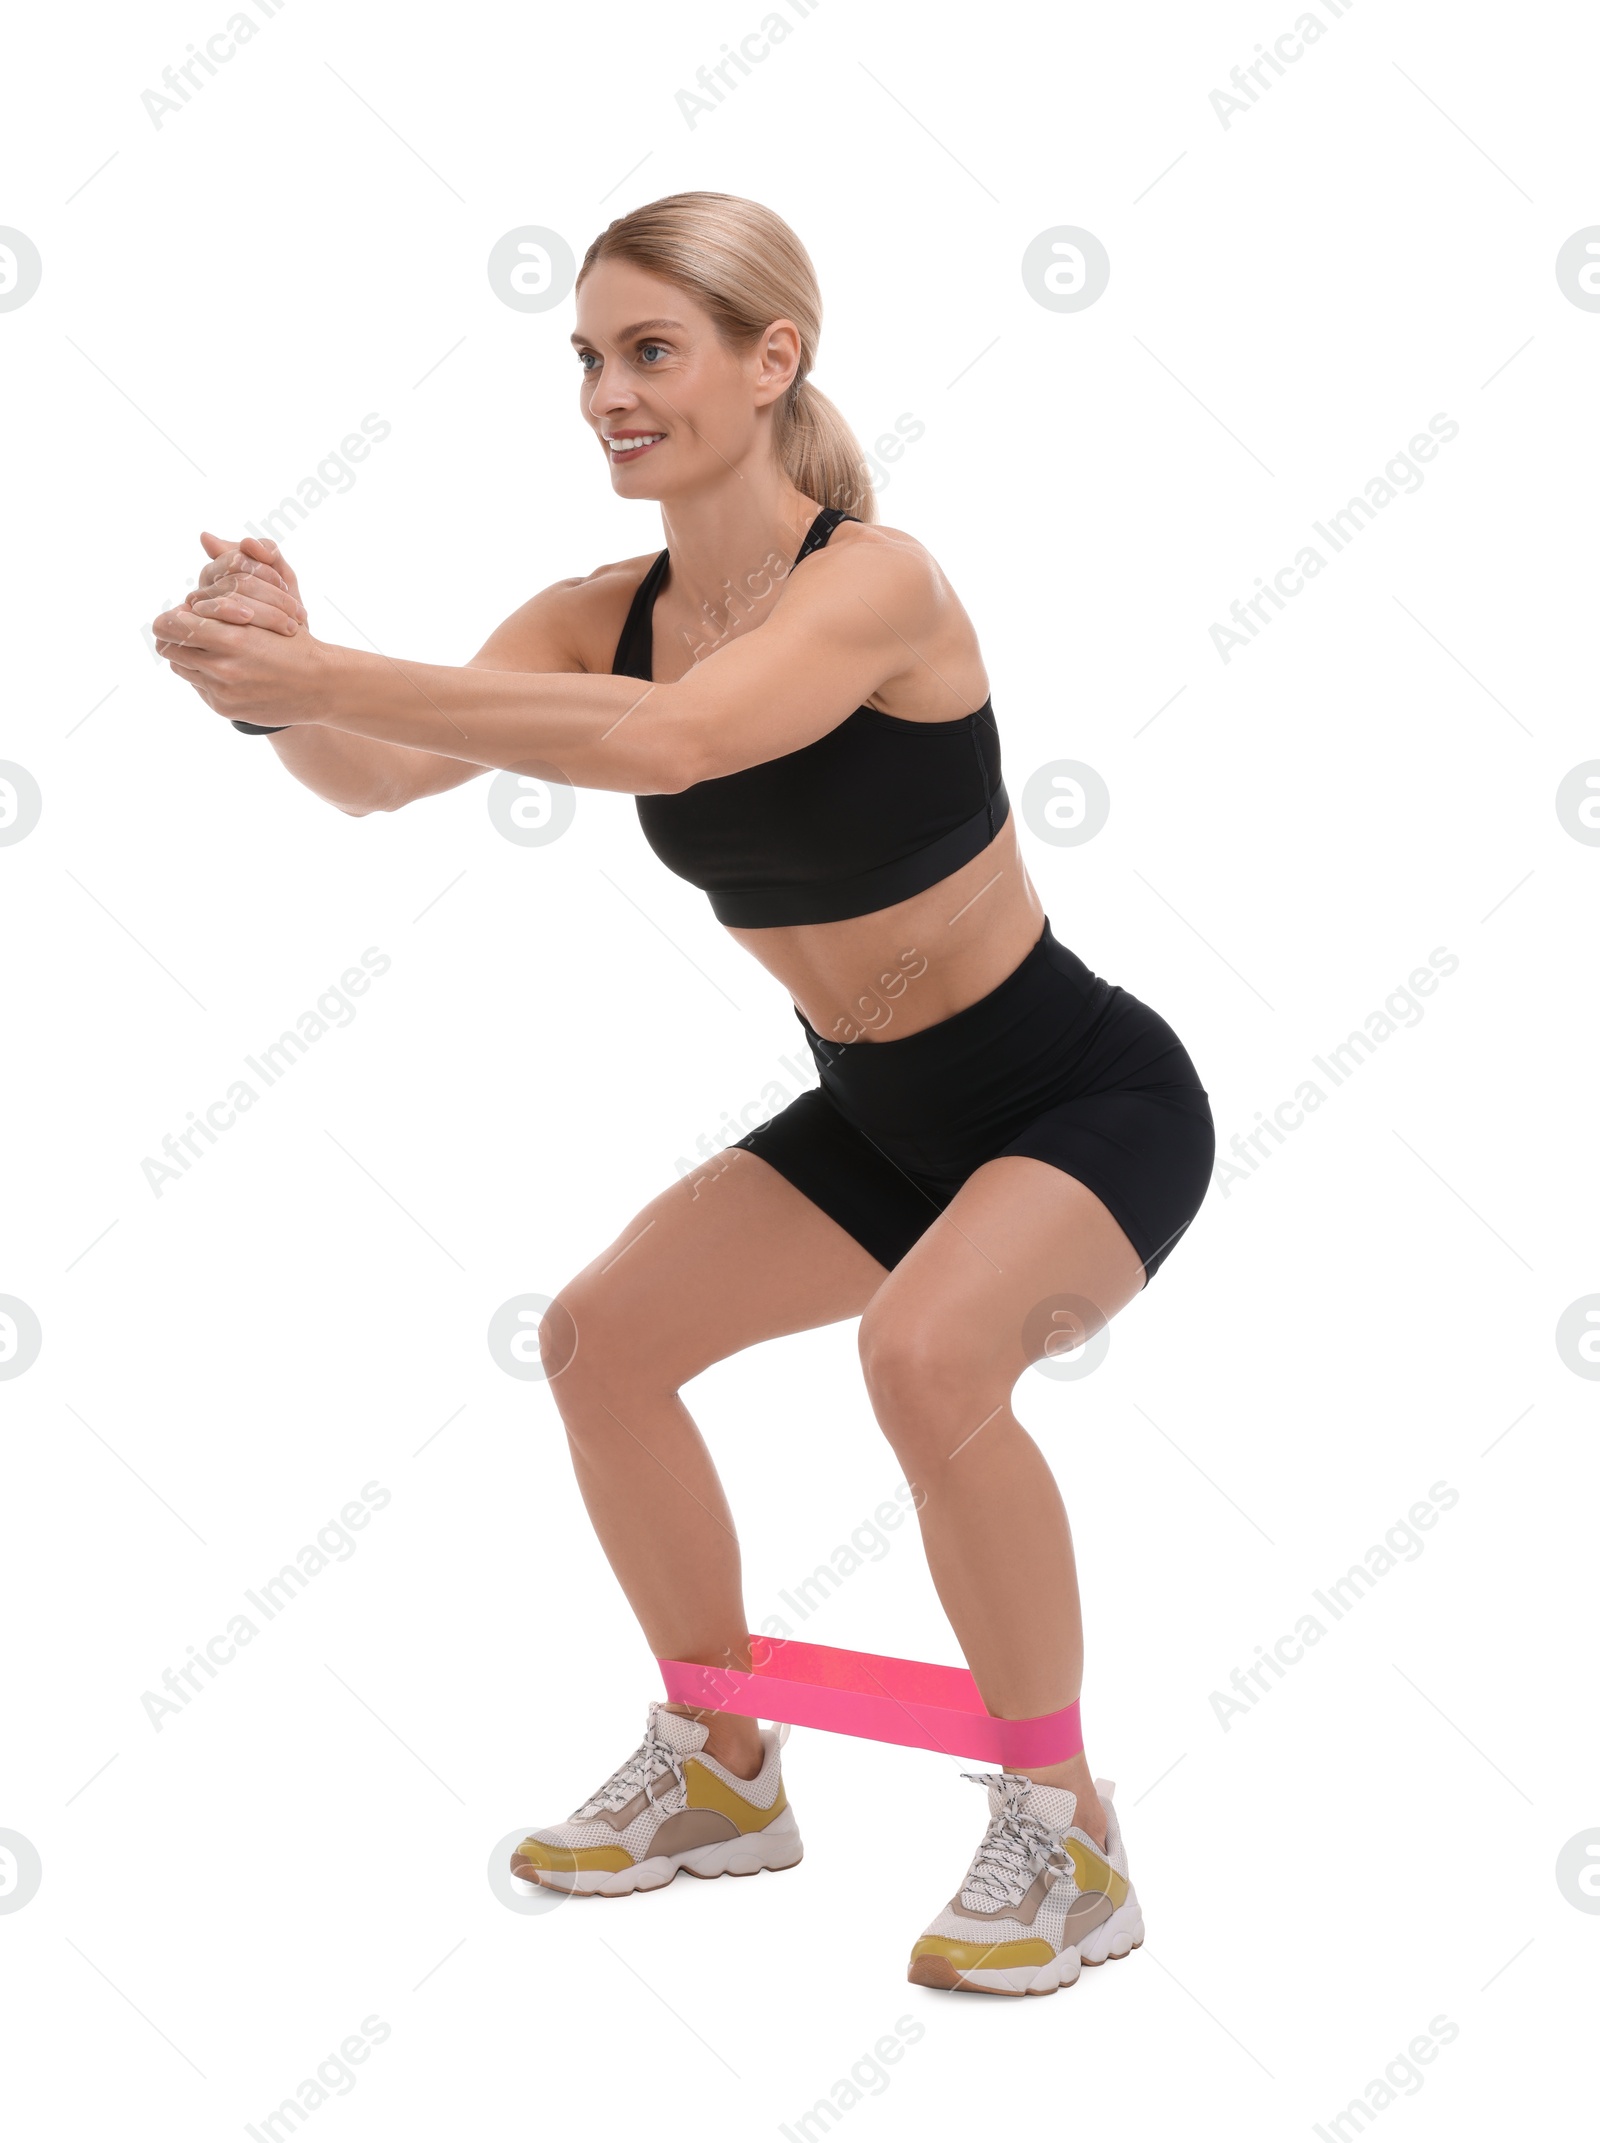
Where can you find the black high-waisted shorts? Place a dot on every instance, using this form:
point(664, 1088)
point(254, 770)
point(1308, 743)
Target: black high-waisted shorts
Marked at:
point(1055, 1062)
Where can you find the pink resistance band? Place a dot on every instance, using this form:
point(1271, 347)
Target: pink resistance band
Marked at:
point(913, 1702)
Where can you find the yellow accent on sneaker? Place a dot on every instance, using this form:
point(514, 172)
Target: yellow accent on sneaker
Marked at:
point(707, 1790)
point(983, 1956)
point(570, 1860)
point(1094, 1872)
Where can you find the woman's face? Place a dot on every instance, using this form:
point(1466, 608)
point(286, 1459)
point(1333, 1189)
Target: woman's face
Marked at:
point(672, 406)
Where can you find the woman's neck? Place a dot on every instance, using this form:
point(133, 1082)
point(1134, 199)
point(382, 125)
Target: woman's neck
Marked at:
point(736, 539)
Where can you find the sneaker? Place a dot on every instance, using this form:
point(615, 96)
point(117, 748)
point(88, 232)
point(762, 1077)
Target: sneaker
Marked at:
point(1040, 1901)
point(670, 1806)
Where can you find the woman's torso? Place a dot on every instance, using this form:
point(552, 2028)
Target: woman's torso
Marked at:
point(913, 962)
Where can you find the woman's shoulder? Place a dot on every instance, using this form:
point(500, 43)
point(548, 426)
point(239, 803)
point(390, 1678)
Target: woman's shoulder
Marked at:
point(875, 536)
point(598, 602)
point(573, 624)
point(870, 557)
point(893, 551)
point(903, 585)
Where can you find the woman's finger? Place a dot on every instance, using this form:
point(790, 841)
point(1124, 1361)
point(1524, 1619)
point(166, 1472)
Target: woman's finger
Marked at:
point(263, 548)
point(235, 609)
point(234, 565)
point(259, 550)
point(203, 635)
point(251, 554)
point(198, 679)
point(251, 588)
point(251, 583)
point(258, 583)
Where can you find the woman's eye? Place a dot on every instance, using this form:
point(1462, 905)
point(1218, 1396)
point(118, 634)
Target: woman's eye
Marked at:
point(583, 359)
point(644, 346)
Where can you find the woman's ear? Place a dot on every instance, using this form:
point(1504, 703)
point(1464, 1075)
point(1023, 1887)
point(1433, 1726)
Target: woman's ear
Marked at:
point(779, 357)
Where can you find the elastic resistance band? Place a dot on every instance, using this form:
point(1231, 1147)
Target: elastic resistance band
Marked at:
point(914, 1703)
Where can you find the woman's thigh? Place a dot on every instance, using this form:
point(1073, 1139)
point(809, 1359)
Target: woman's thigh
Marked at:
point(729, 1256)
point(1025, 1261)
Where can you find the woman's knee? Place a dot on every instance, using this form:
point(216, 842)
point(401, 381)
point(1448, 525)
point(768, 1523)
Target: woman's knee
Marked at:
point(558, 1333)
point(924, 1377)
point(605, 1337)
point(590, 1344)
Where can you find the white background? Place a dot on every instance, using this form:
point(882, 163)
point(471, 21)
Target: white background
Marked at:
point(1368, 1311)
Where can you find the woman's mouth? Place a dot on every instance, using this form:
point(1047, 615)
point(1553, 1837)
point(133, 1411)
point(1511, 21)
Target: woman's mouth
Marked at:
point(628, 446)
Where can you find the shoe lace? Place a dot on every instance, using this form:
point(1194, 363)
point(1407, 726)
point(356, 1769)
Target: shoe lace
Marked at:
point(1014, 1847)
point(652, 1756)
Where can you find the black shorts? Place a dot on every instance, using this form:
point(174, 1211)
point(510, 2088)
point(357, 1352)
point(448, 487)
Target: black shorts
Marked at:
point(1055, 1062)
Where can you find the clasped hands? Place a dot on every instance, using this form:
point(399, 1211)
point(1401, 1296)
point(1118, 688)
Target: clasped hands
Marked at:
point(241, 637)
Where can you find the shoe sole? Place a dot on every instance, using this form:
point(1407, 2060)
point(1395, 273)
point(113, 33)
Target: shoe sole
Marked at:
point(759, 1852)
point(1113, 1939)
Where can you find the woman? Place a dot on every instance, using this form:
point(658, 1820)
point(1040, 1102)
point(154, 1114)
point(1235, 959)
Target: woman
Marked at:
point(1000, 1138)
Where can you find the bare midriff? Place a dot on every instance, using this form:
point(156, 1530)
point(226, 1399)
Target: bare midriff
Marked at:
point(876, 977)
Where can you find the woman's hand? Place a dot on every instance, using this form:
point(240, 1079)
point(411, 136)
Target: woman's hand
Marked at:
point(281, 676)
point(248, 583)
point(209, 641)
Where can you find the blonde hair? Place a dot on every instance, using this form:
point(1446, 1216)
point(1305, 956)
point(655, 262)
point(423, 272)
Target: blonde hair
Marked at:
point(746, 267)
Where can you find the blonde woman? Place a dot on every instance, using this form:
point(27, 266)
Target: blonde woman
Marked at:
point(796, 697)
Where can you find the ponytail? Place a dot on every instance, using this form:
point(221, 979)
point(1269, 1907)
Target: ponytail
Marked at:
point(820, 454)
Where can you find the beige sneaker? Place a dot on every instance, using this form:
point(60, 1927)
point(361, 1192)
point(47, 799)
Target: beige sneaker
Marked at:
point(670, 1806)
point(1040, 1900)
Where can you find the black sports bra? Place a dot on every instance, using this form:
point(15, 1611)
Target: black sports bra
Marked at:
point(868, 814)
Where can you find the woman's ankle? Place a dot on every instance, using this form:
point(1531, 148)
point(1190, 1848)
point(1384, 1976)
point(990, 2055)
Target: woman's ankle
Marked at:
point(742, 1756)
point(733, 1741)
point(1089, 1816)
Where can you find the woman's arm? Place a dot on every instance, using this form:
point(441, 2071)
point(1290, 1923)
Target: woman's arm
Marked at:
point(252, 583)
point(362, 773)
point(842, 629)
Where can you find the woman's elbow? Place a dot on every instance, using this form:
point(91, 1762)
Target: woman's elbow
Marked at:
point(390, 800)
point(685, 753)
